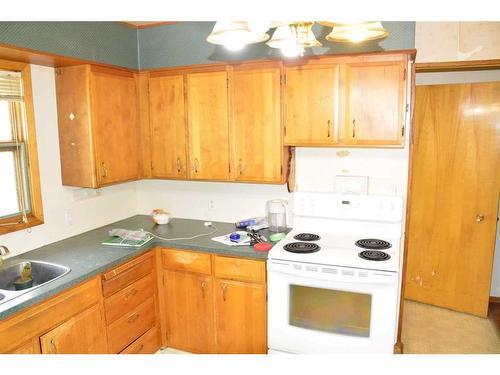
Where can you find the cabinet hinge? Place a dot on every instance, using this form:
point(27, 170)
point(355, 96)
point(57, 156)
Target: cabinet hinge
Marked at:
point(284, 130)
point(403, 131)
point(229, 165)
point(281, 170)
point(227, 82)
point(404, 75)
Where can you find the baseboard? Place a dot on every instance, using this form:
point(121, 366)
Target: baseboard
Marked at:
point(494, 299)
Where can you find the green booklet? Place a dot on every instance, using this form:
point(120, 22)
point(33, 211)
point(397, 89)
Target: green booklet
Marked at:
point(118, 241)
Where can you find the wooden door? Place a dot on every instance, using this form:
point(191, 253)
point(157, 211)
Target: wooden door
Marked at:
point(115, 126)
point(84, 333)
point(375, 103)
point(454, 196)
point(257, 141)
point(168, 126)
point(189, 308)
point(311, 105)
point(208, 126)
point(241, 317)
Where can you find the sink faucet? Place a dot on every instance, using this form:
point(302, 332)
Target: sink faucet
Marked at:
point(4, 250)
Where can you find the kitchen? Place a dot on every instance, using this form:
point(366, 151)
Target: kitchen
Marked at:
point(331, 180)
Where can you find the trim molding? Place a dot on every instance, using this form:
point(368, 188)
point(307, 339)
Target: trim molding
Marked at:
point(494, 299)
point(450, 66)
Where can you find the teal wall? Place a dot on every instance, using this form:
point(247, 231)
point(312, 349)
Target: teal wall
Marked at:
point(178, 44)
point(184, 44)
point(106, 42)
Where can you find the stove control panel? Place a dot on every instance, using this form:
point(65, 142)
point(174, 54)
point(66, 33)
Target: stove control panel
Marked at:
point(346, 206)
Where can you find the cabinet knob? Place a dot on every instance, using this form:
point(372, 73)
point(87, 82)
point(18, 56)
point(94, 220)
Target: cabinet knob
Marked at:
point(479, 218)
point(133, 318)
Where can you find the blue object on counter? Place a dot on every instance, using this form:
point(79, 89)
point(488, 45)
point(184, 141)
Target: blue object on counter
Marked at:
point(234, 237)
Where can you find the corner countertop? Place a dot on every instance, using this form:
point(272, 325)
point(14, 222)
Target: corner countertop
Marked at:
point(86, 257)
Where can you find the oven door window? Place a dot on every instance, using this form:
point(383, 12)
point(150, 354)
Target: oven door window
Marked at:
point(333, 311)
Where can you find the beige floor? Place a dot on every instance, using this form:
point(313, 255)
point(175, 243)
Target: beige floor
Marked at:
point(432, 330)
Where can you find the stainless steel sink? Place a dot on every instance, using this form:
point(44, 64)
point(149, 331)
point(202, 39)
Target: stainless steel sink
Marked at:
point(42, 273)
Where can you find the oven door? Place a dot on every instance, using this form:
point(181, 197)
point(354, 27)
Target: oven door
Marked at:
point(328, 309)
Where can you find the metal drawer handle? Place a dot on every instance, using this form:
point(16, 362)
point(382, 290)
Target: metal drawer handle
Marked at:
point(354, 128)
point(328, 128)
point(133, 292)
point(54, 347)
point(178, 163)
point(140, 347)
point(133, 318)
point(479, 218)
point(196, 164)
point(104, 170)
point(240, 166)
point(224, 292)
point(203, 289)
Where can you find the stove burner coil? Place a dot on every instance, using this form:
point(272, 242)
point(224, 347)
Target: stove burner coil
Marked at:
point(306, 237)
point(301, 247)
point(374, 255)
point(373, 244)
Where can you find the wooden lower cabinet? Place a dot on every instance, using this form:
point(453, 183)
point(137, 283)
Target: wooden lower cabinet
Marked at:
point(208, 314)
point(190, 311)
point(241, 317)
point(146, 344)
point(29, 347)
point(81, 334)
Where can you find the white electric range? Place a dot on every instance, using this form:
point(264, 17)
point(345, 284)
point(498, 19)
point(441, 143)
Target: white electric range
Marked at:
point(333, 281)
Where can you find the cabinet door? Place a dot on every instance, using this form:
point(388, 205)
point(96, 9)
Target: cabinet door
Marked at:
point(241, 317)
point(375, 101)
point(190, 311)
point(115, 126)
point(29, 347)
point(208, 129)
point(81, 334)
point(311, 105)
point(258, 149)
point(168, 126)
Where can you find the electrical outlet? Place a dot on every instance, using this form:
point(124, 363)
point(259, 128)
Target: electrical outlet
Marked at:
point(68, 217)
point(211, 205)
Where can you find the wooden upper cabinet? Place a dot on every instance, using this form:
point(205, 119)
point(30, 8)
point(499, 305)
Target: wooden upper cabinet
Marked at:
point(208, 126)
point(98, 125)
point(375, 103)
point(311, 104)
point(114, 105)
point(81, 334)
point(257, 139)
point(167, 118)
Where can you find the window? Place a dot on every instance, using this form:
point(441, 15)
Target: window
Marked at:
point(20, 197)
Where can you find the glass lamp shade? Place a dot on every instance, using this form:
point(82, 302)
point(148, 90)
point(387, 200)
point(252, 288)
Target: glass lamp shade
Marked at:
point(235, 35)
point(357, 32)
point(292, 39)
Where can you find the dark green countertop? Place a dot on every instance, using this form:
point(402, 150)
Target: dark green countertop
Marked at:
point(86, 257)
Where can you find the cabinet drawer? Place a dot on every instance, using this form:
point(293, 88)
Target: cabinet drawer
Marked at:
point(179, 260)
point(148, 343)
point(130, 326)
point(126, 274)
point(128, 298)
point(240, 269)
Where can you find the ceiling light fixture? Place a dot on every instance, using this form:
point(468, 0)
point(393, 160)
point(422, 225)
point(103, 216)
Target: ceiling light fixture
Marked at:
point(292, 38)
point(355, 32)
point(235, 35)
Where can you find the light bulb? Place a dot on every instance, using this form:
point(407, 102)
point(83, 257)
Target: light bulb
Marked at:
point(234, 46)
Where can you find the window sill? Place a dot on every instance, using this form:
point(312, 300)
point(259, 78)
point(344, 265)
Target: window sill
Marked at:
point(32, 221)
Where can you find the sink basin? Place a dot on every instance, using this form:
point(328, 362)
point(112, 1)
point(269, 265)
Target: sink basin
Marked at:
point(42, 273)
